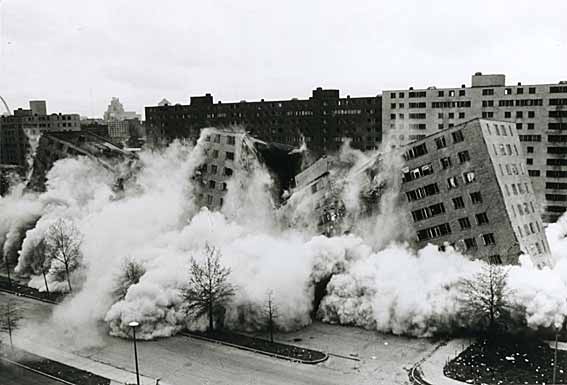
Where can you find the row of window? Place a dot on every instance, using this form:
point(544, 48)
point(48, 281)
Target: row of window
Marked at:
point(522, 209)
point(422, 192)
point(228, 155)
point(447, 163)
point(450, 104)
point(213, 185)
point(512, 169)
point(230, 139)
point(416, 151)
point(422, 116)
point(513, 103)
point(558, 102)
point(481, 219)
point(210, 200)
point(556, 186)
point(505, 149)
point(416, 173)
point(557, 150)
point(459, 202)
point(423, 94)
point(530, 138)
point(428, 212)
point(453, 181)
point(445, 229)
point(556, 197)
point(517, 189)
point(214, 169)
point(556, 209)
point(529, 228)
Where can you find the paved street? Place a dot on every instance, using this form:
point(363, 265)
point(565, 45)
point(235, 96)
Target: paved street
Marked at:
point(14, 375)
point(184, 360)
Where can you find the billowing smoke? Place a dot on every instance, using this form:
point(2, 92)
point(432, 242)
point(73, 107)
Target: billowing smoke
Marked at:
point(374, 279)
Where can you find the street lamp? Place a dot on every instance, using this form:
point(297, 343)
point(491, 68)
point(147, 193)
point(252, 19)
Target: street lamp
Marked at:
point(134, 325)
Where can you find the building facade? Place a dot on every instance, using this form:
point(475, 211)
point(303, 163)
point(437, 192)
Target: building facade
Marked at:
point(469, 186)
point(323, 121)
point(16, 129)
point(230, 152)
point(63, 144)
point(538, 112)
point(115, 111)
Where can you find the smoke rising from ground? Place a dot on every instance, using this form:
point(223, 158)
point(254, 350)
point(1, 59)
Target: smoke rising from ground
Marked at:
point(376, 280)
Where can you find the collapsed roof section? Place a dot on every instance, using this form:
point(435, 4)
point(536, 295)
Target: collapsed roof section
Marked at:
point(335, 191)
point(62, 144)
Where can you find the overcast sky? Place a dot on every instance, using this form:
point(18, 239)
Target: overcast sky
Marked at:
point(77, 54)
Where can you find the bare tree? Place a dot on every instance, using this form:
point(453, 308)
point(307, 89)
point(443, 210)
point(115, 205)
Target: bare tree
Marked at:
point(485, 300)
point(209, 290)
point(271, 313)
point(10, 316)
point(40, 263)
point(63, 242)
point(130, 274)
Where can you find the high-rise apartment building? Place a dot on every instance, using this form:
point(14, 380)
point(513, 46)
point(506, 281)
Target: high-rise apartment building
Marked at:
point(324, 121)
point(538, 113)
point(16, 130)
point(228, 153)
point(468, 186)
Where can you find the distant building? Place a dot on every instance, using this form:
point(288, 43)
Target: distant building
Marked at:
point(538, 112)
point(58, 145)
point(116, 111)
point(164, 102)
point(120, 131)
point(17, 129)
point(469, 186)
point(96, 126)
point(228, 152)
point(324, 121)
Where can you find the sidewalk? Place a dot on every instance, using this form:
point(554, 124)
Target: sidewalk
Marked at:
point(117, 376)
point(432, 366)
point(560, 345)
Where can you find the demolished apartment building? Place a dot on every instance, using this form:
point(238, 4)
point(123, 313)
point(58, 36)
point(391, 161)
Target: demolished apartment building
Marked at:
point(320, 200)
point(62, 144)
point(228, 151)
point(466, 186)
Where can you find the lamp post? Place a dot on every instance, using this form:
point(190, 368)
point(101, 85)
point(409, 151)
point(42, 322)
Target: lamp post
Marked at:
point(134, 325)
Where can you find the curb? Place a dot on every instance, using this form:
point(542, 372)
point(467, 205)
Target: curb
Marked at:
point(37, 371)
point(29, 296)
point(275, 355)
point(415, 374)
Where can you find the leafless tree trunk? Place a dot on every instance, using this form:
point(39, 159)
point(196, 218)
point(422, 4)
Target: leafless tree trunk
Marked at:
point(63, 241)
point(270, 311)
point(209, 289)
point(10, 318)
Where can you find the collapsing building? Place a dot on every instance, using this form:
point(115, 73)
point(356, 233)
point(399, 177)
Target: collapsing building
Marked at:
point(466, 186)
point(58, 145)
point(227, 151)
point(322, 197)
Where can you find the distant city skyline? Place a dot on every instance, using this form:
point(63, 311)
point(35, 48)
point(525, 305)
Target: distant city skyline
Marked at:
point(78, 55)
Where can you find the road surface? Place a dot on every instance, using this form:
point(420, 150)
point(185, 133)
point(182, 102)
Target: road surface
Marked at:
point(383, 359)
